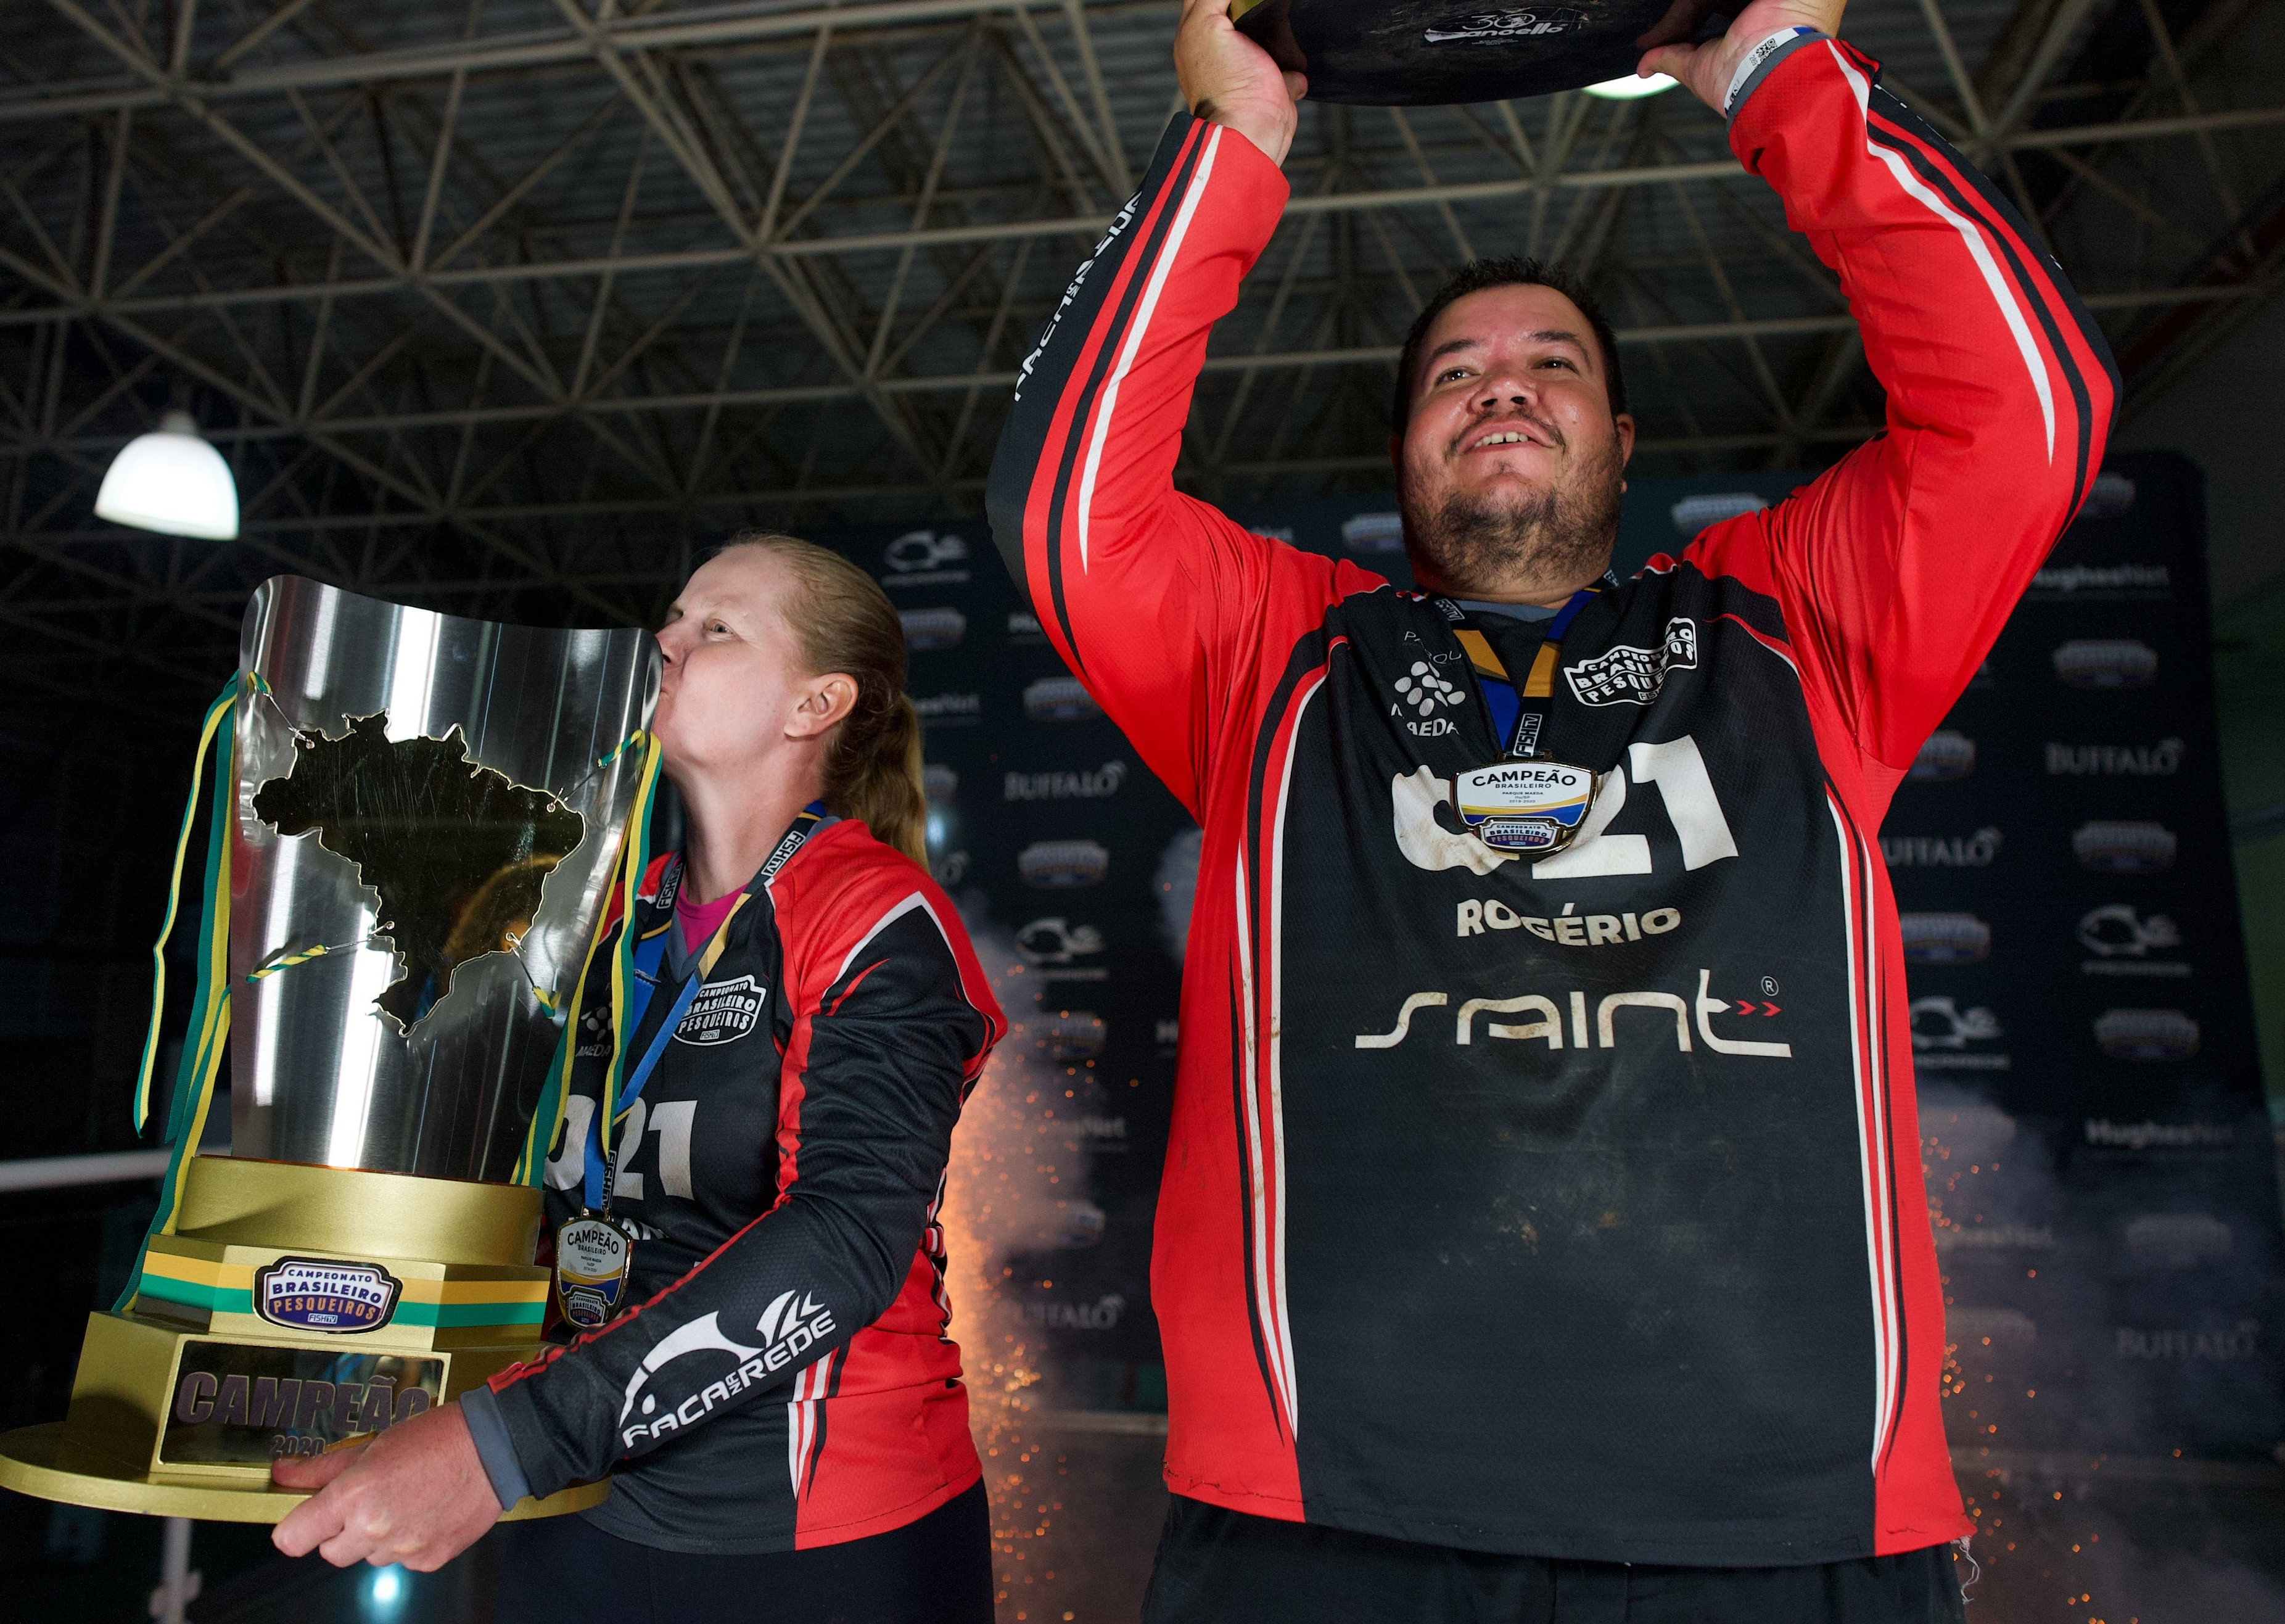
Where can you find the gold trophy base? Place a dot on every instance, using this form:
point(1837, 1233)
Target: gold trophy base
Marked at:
point(293, 1308)
point(43, 1461)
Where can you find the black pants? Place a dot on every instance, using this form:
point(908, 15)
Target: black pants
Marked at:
point(936, 1571)
point(1217, 1566)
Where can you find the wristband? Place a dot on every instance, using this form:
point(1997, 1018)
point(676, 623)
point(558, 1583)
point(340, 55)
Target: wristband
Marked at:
point(489, 1432)
point(1761, 56)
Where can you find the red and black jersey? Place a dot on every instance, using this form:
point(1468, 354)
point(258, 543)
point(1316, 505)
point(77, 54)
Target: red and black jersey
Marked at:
point(787, 1380)
point(1570, 1207)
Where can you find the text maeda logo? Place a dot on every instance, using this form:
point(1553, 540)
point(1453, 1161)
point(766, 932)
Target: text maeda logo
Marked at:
point(318, 1294)
point(2106, 662)
point(1948, 754)
point(1627, 675)
point(723, 1012)
point(1422, 691)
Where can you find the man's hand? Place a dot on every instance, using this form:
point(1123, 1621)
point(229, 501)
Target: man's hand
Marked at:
point(1708, 69)
point(1227, 79)
point(416, 1495)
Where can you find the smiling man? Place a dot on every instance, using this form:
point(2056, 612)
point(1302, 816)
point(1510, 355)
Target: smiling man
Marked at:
point(1542, 1234)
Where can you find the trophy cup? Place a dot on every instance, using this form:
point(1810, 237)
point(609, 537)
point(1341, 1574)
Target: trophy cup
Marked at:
point(416, 821)
point(1425, 54)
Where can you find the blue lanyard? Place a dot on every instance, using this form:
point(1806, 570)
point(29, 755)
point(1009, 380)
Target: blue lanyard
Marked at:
point(1530, 711)
point(649, 959)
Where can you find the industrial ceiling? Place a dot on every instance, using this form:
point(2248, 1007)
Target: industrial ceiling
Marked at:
point(497, 306)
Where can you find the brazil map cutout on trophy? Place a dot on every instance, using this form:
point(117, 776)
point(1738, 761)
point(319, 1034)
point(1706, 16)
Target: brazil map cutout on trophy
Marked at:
point(457, 852)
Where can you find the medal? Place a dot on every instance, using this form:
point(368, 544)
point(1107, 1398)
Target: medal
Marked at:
point(593, 1252)
point(1526, 803)
point(1529, 807)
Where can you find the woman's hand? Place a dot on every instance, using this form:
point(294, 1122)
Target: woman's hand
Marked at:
point(416, 1495)
point(1707, 69)
point(1227, 79)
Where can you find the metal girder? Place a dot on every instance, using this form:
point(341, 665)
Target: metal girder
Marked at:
point(500, 307)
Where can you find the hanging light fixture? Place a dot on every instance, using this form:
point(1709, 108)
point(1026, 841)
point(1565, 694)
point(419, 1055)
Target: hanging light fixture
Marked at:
point(173, 481)
point(1630, 87)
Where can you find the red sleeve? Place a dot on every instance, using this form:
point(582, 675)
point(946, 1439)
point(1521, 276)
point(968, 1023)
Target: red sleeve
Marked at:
point(1156, 600)
point(1896, 568)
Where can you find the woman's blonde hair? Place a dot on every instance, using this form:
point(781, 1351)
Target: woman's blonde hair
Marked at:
point(844, 622)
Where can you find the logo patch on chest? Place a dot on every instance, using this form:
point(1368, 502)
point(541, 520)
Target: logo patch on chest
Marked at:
point(723, 1012)
point(1627, 675)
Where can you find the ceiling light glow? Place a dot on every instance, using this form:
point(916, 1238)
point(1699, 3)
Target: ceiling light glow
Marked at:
point(173, 481)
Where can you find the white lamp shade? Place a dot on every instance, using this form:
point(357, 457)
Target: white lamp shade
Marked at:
point(1630, 87)
point(173, 481)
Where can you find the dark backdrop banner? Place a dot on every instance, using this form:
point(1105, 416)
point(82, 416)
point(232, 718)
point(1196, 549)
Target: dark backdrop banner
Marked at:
point(2099, 1162)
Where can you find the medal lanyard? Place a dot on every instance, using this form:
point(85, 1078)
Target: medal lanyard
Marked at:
point(649, 955)
point(1536, 692)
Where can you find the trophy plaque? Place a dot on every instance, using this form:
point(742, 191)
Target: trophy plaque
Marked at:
point(1427, 53)
point(417, 818)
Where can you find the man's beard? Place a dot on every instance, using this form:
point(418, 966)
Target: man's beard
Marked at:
point(1557, 536)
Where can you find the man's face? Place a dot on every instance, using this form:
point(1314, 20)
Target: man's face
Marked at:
point(1509, 468)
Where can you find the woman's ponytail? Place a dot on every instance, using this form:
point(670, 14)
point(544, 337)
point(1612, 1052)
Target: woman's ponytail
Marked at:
point(845, 623)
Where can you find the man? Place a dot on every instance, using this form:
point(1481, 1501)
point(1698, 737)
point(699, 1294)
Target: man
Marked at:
point(1541, 1233)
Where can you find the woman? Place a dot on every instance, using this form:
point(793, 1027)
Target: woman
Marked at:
point(770, 1385)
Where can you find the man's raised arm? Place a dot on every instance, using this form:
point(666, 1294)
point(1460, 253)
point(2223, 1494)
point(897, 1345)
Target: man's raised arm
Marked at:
point(1145, 592)
point(1897, 567)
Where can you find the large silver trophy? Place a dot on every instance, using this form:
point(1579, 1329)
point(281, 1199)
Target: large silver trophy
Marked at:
point(421, 815)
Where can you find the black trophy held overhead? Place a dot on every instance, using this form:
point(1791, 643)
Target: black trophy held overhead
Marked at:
point(1426, 53)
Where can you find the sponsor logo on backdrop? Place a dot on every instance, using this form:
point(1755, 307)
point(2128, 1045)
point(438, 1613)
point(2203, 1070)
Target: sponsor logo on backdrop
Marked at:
point(1968, 1130)
point(925, 558)
point(1652, 1018)
point(1059, 699)
point(1059, 865)
point(1948, 754)
point(1168, 1034)
point(950, 709)
point(1976, 850)
point(1082, 786)
point(1023, 627)
point(2114, 581)
point(2177, 1240)
point(1975, 1239)
point(2106, 662)
point(1485, 28)
point(1943, 1034)
point(2146, 1034)
point(2189, 1345)
point(1101, 1315)
point(1693, 513)
point(1071, 1034)
point(2148, 1135)
point(2110, 495)
point(320, 1294)
point(1079, 1224)
point(2123, 848)
point(2163, 759)
point(723, 1012)
point(1104, 1135)
point(938, 782)
point(1373, 533)
point(1944, 939)
point(1627, 675)
point(1050, 946)
point(1991, 1328)
point(1567, 928)
point(2122, 941)
point(930, 629)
